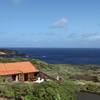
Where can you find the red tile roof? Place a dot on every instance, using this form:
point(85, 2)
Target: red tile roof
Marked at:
point(17, 67)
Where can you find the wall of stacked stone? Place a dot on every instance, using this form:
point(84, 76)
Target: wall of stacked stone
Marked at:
point(7, 78)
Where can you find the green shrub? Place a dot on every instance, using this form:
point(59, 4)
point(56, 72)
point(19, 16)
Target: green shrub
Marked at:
point(43, 91)
point(6, 91)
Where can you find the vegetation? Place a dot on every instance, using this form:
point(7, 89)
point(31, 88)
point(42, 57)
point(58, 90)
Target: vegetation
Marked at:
point(43, 91)
point(7, 60)
point(52, 90)
point(89, 86)
point(66, 71)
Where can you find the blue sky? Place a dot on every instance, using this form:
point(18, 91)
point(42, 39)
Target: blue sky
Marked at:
point(50, 23)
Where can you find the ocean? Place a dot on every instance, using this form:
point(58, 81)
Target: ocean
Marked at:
point(63, 55)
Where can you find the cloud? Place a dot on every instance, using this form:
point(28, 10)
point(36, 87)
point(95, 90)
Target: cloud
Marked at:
point(61, 23)
point(84, 36)
point(87, 35)
point(91, 36)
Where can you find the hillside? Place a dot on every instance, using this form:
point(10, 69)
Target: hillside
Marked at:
point(75, 78)
point(66, 71)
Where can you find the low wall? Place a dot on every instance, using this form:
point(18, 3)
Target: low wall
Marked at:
point(2, 98)
point(7, 78)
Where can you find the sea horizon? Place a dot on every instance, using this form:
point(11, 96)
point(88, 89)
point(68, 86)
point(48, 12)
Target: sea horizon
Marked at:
point(62, 55)
point(49, 47)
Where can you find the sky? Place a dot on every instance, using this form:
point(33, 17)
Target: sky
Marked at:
point(50, 23)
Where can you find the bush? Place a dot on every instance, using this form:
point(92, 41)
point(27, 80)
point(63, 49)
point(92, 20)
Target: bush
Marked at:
point(6, 91)
point(43, 91)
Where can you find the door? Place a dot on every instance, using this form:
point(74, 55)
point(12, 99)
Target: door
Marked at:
point(25, 77)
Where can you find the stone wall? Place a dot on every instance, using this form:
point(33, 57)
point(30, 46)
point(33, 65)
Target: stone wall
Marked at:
point(2, 98)
point(7, 78)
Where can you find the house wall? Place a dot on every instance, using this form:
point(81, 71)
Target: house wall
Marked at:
point(7, 78)
point(21, 77)
point(31, 77)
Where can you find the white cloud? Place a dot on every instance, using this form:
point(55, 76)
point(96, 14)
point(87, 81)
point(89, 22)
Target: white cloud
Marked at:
point(85, 36)
point(91, 36)
point(61, 23)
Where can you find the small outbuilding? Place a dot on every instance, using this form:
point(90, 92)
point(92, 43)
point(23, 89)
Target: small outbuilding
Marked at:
point(18, 71)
